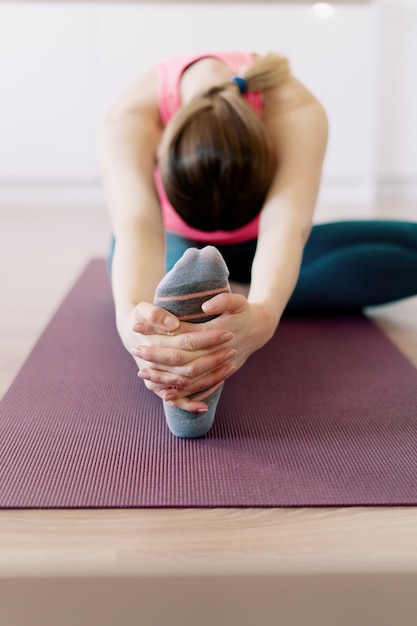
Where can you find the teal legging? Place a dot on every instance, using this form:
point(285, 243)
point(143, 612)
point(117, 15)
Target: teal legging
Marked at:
point(346, 265)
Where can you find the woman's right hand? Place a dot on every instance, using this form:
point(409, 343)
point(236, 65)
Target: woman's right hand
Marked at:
point(192, 356)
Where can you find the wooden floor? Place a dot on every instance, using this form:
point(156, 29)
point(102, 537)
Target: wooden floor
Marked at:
point(237, 554)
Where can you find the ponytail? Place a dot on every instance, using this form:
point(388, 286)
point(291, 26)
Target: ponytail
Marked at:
point(267, 72)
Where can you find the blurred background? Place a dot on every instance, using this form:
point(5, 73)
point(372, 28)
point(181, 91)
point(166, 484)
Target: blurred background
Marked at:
point(63, 63)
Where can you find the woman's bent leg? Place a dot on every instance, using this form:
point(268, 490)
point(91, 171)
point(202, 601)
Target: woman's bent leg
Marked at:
point(353, 264)
point(175, 248)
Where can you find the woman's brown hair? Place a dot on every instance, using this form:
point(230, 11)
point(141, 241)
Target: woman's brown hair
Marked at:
point(218, 164)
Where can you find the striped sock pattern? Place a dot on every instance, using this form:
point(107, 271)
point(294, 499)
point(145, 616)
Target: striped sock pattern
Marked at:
point(196, 277)
point(188, 307)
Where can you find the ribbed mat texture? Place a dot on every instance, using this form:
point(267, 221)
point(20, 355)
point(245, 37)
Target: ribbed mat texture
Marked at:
point(324, 415)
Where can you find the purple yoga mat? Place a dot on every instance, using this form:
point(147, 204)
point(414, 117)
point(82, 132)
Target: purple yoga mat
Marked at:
point(324, 415)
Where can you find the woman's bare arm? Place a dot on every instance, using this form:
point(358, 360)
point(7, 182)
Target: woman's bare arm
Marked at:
point(127, 145)
point(298, 128)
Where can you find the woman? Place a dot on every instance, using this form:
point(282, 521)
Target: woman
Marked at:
point(239, 145)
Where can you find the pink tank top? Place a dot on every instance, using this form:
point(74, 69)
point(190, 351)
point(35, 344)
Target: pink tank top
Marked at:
point(169, 73)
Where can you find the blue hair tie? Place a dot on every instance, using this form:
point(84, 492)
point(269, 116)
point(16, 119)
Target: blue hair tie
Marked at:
point(241, 83)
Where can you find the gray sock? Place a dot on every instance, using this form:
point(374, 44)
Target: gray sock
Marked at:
point(196, 277)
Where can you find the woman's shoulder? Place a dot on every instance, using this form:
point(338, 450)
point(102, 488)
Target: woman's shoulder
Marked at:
point(291, 95)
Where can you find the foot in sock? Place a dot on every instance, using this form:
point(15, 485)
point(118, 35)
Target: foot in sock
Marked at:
point(196, 277)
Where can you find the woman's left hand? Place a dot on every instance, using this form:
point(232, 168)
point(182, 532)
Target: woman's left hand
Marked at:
point(252, 326)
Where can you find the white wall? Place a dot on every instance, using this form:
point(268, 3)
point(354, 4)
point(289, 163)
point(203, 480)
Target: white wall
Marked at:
point(46, 87)
point(397, 131)
point(62, 64)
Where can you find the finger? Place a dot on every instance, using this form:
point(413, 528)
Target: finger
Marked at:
point(149, 317)
point(174, 388)
point(187, 404)
point(164, 391)
point(176, 397)
point(225, 303)
point(192, 341)
point(181, 362)
point(162, 380)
